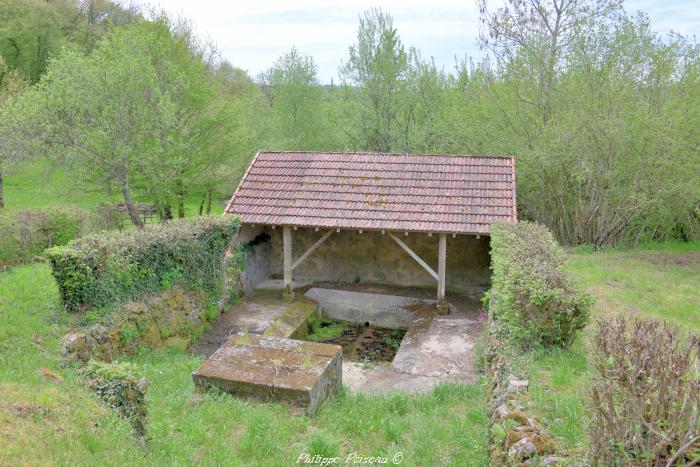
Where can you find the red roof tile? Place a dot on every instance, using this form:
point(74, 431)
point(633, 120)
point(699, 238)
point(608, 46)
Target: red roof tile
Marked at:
point(405, 192)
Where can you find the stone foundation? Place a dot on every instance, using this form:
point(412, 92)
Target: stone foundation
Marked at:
point(303, 374)
point(168, 319)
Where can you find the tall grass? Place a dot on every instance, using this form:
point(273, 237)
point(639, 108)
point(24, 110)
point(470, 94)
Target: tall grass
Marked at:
point(47, 422)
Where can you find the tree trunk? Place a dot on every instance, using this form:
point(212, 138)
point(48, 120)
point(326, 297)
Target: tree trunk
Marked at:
point(209, 201)
point(180, 192)
point(2, 195)
point(131, 209)
point(201, 204)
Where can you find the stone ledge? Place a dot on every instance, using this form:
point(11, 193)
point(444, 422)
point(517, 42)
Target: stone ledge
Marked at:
point(293, 323)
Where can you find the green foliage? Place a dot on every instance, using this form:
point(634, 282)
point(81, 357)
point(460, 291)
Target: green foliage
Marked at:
point(212, 313)
point(324, 328)
point(121, 117)
point(31, 31)
point(119, 387)
point(25, 234)
point(127, 335)
point(108, 268)
point(600, 111)
point(240, 256)
point(533, 300)
point(295, 101)
point(645, 394)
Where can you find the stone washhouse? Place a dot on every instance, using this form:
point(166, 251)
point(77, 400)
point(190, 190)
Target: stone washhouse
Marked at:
point(400, 220)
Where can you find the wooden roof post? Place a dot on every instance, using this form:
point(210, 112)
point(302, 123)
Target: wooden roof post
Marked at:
point(287, 248)
point(442, 263)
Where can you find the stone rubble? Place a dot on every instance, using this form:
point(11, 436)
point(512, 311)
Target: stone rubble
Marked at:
point(517, 438)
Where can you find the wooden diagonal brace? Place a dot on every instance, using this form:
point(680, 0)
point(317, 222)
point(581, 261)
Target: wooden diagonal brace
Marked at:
point(312, 249)
point(414, 255)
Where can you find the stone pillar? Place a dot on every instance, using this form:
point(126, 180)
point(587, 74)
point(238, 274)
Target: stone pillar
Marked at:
point(287, 246)
point(442, 306)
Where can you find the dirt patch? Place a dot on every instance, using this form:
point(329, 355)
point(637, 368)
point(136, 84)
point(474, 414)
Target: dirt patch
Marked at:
point(615, 283)
point(684, 259)
point(24, 409)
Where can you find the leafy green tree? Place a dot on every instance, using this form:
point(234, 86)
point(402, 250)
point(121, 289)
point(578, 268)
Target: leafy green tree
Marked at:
point(295, 101)
point(590, 100)
point(137, 114)
point(31, 31)
point(11, 84)
point(377, 66)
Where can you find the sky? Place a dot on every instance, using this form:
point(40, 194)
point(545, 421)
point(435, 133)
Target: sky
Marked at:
point(253, 34)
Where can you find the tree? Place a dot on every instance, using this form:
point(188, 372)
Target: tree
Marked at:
point(136, 114)
point(590, 101)
point(31, 31)
point(377, 66)
point(539, 32)
point(295, 99)
point(11, 84)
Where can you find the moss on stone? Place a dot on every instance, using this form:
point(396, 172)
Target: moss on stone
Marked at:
point(293, 323)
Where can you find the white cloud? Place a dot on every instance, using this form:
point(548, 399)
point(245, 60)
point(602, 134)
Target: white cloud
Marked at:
point(252, 34)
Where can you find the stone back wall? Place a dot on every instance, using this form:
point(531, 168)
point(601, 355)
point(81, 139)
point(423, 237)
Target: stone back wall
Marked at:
point(347, 256)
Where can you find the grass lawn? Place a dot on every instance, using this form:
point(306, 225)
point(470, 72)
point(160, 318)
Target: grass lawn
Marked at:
point(49, 422)
point(652, 281)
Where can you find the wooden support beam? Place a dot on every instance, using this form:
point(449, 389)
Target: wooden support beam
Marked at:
point(413, 255)
point(312, 249)
point(442, 263)
point(287, 247)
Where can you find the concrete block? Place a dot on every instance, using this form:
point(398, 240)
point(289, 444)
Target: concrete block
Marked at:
point(293, 323)
point(386, 311)
point(303, 374)
point(288, 296)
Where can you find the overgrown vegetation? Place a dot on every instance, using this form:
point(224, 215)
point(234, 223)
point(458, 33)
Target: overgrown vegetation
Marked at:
point(658, 281)
point(600, 111)
point(325, 329)
point(107, 268)
point(533, 300)
point(117, 384)
point(27, 233)
point(62, 424)
point(645, 395)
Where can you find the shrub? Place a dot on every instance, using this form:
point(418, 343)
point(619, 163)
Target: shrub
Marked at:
point(645, 394)
point(25, 234)
point(118, 386)
point(532, 299)
point(110, 267)
point(106, 217)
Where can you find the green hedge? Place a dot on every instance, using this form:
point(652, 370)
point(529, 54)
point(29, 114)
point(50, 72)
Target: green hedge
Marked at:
point(532, 299)
point(104, 269)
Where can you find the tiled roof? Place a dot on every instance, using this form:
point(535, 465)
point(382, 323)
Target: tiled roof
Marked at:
point(400, 192)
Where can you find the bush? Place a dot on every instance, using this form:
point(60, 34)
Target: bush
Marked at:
point(532, 299)
point(25, 234)
point(108, 268)
point(118, 386)
point(645, 394)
